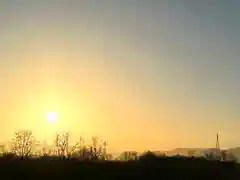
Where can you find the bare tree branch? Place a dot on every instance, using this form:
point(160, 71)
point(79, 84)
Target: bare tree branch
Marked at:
point(23, 142)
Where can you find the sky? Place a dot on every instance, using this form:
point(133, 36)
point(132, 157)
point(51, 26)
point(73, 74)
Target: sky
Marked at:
point(141, 74)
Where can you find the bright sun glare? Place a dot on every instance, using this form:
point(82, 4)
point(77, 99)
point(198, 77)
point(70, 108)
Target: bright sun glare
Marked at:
point(52, 117)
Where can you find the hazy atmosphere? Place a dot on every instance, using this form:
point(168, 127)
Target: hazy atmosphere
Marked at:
point(165, 78)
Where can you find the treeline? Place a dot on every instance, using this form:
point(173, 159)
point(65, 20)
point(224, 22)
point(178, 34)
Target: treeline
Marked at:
point(65, 161)
point(24, 144)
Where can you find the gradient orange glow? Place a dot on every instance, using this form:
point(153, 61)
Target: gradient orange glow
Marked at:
point(137, 80)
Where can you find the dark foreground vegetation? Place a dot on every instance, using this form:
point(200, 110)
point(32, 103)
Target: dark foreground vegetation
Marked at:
point(79, 161)
point(158, 168)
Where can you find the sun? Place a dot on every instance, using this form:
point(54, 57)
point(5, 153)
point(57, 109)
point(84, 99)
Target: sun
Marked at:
point(52, 117)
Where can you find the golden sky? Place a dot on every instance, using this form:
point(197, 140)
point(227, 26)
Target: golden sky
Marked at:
point(140, 75)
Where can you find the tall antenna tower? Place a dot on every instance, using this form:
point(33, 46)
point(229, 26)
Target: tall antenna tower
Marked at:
point(217, 141)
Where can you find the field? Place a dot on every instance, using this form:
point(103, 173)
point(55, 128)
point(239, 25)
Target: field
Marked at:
point(166, 168)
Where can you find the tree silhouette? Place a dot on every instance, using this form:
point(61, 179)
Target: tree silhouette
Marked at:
point(23, 142)
point(96, 150)
point(128, 155)
point(62, 144)
point(210, 156)
point(221, 156)
point(75, 147)
point(228, 156)
point(148, 156)
point(2, 148)
point(109, 157)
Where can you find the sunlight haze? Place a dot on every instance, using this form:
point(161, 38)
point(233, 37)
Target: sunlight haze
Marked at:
point(139, 74)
